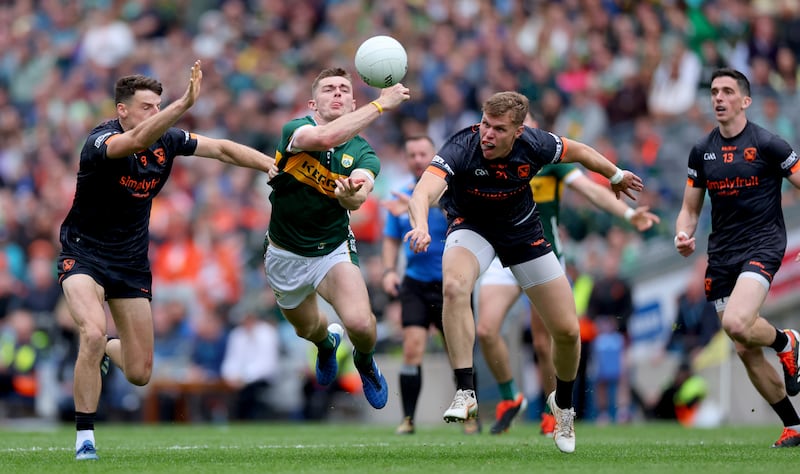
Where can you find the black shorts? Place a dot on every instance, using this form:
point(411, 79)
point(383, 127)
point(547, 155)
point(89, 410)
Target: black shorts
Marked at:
point(512, 246)
point(421, 303)
point(721, 278)
point(118, 281)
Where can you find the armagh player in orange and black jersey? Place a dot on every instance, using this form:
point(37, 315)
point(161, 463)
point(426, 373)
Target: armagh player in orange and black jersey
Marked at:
point(741, 166)
point(484, 173)
point(124, 164)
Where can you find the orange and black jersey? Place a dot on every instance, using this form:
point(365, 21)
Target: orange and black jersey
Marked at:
point(494, 194)
point(743, 177)
point(110, 213)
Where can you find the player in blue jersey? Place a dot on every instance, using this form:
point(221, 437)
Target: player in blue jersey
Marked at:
point(124, 163)
point(483, 174)
point(742, 167)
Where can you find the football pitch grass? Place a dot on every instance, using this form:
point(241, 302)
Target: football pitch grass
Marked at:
point(352, 448)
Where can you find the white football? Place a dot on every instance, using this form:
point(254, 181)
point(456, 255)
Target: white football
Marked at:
point(381, 61)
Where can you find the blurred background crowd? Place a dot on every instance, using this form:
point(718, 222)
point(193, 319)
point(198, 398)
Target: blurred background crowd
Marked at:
point(627, 77)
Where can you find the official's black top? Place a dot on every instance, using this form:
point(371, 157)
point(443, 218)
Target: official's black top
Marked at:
point(743, 176)
point(110, 214)
point(494, 194)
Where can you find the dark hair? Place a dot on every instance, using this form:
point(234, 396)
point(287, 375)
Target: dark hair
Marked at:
point(127, 86)
point(329, 72)
point(502, 102)
point(741, 79)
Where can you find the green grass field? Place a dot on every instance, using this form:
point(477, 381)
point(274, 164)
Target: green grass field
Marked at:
point(441, 449)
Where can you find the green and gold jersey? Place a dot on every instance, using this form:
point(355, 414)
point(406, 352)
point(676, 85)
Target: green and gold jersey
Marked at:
point(307, 219)
point(548, 186)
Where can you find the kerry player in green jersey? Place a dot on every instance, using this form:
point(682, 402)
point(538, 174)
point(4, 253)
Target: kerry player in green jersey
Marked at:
point(325, 170)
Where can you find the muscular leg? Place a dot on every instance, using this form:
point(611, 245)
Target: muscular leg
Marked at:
point(85, 299)
point(344, 288)
point(307, 320)
point(556, 305)
point(133, 351)
point(543, 347)
point(414, 341)
point(494, 302)
point(460, 271)
point(751, 333)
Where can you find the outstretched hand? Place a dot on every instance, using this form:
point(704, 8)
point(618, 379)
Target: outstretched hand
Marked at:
point(391, 97)
point(630, 182)
point(418, 240)
point(196, 78)
point(397, 206)
point(643, 219)
point(347, 186)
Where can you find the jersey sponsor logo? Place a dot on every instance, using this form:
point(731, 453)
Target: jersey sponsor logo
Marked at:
point(481, 172)
point(347, 160)
point(101, 139)
point(524, 171)
point(309, 171)
point(139, 188)
point(68, 264)
point(731, 186)
point(693, 172)
point(440, 161)
point(497, 195)
point(750, 154)
point(788, 162)
point(709, 157)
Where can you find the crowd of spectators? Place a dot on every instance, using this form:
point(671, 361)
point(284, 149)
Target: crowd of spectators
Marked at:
point(627, 77)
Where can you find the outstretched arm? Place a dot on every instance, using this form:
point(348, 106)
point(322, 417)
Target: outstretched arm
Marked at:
point(326, 136)
point(621, 181)
point(429, 188)
point(353, 190)
point(151, 129)
point(233, 153)
point(603, 198)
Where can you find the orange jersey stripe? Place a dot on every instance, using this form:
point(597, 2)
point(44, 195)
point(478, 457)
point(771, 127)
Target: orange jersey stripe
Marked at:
point(690, 182)
point(563, 142)
point(437, 171)
point(795, 167)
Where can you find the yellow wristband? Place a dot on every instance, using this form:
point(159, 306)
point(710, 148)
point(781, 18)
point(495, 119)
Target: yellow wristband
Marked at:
point(377, 106)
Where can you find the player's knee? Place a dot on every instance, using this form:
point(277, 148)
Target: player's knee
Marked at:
point(737, 331)
point(455, 289)
point(139, 373)
point(567, 335)
point(486, 334)
point(93, 340)
point(361, 327)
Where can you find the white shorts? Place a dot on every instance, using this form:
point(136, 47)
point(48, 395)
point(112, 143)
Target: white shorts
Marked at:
point(293, 277)
point(527, 274)
point(498, 275)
